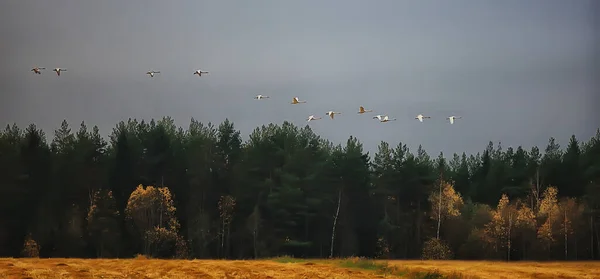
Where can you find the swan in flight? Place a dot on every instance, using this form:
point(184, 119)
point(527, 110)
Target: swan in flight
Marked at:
point(379, 117)
point(37, 70)
point(258, 97)
point(386, 119)
point(312, 117)
point(332, 113)
point(296, 101)
point(151, 73)
point(58, 70)
point(421, 117)
point(452, 118)
point(362, 110)
point(199, 73)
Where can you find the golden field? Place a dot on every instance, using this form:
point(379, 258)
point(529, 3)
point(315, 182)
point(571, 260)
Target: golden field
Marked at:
point(262, 269)
point(501, 270)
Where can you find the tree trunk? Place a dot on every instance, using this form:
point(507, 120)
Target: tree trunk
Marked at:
point(337, 212)
point(597, 238)
point(228, 246)
point(439, 219)
point(222, 236)
point(254, 244)
point(566, 238)
point(592, 237)
point(509, 236)
point(418, 222)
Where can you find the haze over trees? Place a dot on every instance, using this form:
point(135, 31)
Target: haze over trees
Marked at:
point(156, 189)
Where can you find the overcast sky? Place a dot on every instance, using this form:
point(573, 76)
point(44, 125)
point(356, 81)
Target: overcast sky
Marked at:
point(517, 71)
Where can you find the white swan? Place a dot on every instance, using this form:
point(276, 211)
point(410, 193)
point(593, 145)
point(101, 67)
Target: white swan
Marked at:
point(362, 110)
point(151, 73)
point(199, 73)
point(312, 117)
point(296, 101)
point(258, 97)
point(387, 119)
point(37, 70)
point(379, 117)
point(332, 113)
point(58, 70)
point(421, 117)
point(452, 118)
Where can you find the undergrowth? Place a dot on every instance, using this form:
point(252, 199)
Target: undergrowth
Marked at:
point(288, 259)
point(380, 267)
point(384, 268)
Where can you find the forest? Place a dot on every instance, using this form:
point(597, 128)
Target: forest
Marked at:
point(155, 189)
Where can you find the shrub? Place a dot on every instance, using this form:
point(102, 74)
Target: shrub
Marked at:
point(436, 249)
point(30, 248)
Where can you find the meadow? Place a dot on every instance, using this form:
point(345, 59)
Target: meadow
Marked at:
point(289, 268)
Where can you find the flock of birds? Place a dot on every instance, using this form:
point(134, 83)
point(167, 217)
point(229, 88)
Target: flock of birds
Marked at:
point(361, 110)
point(295, 100)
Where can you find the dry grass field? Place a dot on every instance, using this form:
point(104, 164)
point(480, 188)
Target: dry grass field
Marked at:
point(288, 268)
point(501, 270)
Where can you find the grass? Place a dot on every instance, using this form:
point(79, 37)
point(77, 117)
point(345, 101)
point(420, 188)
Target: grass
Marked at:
point(506, 270)
point(378, 267)
point(288, 267)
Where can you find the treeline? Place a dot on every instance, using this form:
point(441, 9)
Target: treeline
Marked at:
point(201, 192)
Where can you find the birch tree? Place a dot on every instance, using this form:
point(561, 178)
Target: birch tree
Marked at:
point(445, 202)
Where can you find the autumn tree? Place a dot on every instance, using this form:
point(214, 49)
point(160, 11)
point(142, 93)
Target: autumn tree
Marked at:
point(445, 203)
point(501, 228)
point(549, 218)
point(151, 214)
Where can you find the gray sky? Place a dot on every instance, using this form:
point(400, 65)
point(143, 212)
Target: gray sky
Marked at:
point(535, 63)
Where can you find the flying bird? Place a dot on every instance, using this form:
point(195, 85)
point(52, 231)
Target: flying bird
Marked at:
point(37, 70)
point(58, 70)
point(199, 73)
point(452, 118)
point(151, 73)
point(379, 117)
point(332, 113)
point(296, 101)
point(386, 119)
point(258, 97)
point(362, 110)
point(421, 117)
point(312, 117)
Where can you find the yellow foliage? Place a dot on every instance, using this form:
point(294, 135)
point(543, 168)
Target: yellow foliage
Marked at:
point(504, 219)
point(526, 217)
point(549, 214)
point(151, 212)
point(99, 198)
point(545, 232)
point(451, 201)
point(549, 203)
point(151, 206)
